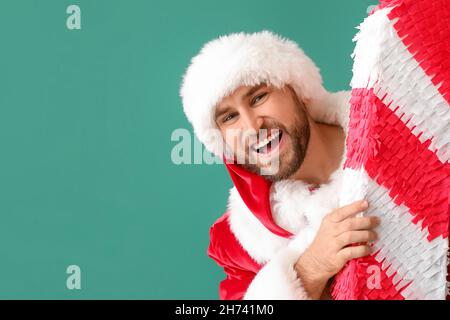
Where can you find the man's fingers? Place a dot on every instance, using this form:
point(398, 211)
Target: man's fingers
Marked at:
point(358, 223)
point(350, 237)
point(349, 210)
point(353, 252)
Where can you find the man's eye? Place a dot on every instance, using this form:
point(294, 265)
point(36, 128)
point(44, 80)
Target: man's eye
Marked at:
point(228, 117)
point(259, 97)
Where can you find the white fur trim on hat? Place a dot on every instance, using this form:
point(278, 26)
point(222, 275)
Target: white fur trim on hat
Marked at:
point(228, 62)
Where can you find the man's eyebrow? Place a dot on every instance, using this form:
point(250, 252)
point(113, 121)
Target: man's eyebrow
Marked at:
point(252, 90)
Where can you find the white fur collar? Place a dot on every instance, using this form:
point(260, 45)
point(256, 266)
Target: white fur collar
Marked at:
point(294, 207)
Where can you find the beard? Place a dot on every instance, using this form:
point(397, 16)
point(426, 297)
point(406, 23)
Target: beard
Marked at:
point(297, 136)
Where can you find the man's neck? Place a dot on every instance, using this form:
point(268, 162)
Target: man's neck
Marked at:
point(324, 154)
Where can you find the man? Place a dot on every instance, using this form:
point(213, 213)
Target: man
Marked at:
point(283, 235)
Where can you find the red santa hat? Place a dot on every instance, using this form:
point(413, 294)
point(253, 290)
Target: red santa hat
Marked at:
point(228, 62)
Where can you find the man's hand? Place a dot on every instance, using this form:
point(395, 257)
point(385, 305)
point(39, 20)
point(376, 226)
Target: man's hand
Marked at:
point(331, 249)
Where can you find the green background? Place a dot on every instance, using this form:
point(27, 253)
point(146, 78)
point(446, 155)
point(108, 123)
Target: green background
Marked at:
point(86, 118)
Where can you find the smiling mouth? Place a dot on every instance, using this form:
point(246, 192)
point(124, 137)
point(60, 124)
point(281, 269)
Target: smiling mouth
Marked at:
point(268, 145)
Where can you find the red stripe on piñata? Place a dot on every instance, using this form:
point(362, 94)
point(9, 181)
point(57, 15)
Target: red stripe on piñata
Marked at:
point(396, 159)
point(423, 26)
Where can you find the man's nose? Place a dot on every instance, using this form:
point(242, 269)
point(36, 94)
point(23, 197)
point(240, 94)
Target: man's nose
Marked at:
point(252, 121)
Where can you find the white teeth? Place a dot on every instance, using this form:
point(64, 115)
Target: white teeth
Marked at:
point(266, 141)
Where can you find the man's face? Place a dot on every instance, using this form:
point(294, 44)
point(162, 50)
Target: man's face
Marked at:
point(263, 125)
